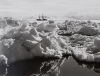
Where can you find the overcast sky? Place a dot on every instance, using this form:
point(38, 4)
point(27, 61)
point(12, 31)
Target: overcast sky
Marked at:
point(49, 7)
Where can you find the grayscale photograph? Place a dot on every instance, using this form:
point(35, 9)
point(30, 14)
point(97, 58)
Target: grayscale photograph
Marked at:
point(49, 37)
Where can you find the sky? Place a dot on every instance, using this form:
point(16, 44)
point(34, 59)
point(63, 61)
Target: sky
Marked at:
point(49, 7)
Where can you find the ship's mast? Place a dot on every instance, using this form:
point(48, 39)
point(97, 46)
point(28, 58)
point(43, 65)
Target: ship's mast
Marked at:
point(42, 16)
point(39, 17)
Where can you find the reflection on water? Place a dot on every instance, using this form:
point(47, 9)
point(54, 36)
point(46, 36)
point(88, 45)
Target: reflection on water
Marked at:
point(54, 67)
point(94, 66)
point(35, 67)
point(73, 67)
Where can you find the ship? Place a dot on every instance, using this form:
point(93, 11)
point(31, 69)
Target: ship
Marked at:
point(42, 18)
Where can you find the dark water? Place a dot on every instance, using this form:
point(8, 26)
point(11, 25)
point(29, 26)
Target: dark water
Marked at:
point(58, 67)
point(73, 68)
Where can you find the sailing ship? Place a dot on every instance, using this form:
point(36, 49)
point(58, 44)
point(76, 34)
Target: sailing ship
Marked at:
point(42, 18)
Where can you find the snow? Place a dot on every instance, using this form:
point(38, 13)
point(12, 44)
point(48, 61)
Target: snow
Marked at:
point(24, 42)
